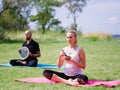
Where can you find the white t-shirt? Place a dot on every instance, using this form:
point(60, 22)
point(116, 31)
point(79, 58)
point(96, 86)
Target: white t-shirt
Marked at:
point(71, 69)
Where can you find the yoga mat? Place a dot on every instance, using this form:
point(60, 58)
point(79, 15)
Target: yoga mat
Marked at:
point(35, 80)
point(47, 66)
point(6, 65)
point(52, 66)
point(112, 83)
point(90, 82)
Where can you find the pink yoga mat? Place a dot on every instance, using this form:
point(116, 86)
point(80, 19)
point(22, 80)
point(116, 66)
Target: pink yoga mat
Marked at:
point(36, 80)
point(90, 82)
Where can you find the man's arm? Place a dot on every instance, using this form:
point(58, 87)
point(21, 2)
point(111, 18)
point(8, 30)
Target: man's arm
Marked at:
point(38, 54)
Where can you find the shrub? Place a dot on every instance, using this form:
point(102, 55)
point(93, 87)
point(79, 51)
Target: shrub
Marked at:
point(94, 38)
point(2, 34)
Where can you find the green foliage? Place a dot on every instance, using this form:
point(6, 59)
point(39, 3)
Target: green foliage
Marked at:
point(46, 13)
point(2, 34)
point(75, 7)
point(109, 38)
point(14, 14)
point(7, 17)
point(94, 38)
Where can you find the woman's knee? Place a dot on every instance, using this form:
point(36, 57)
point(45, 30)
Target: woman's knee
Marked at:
point(48, 74)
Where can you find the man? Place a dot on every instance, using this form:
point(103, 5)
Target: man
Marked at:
point(34, 52)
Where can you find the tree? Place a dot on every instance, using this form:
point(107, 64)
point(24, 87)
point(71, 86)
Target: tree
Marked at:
point(46, 13)
point(17, 11)
point(14, 15)
point(4, 5)
point(75, 7)
point(25, 8)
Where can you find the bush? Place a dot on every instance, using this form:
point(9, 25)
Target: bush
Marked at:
point(2, 34)
point(94, 38)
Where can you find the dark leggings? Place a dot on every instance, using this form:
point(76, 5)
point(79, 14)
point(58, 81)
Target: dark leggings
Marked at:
point(48, 74)
point(31, 63)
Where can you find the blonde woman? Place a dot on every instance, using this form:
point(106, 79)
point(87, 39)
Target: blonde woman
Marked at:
point(74, 60)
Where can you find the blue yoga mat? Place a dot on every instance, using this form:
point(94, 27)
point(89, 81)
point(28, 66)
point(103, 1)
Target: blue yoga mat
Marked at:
point(52, 66)
point(6, 65)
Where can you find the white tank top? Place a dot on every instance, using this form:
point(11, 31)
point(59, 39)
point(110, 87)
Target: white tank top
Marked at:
point(71, 69)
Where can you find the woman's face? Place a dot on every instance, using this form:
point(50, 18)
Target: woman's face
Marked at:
point(71, 39)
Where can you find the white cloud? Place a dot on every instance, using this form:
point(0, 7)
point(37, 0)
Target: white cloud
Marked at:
point(101, 15)
point(112, 20)
point(104, 5)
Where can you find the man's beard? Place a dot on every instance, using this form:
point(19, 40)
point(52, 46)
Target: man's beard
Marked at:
point(28, 38)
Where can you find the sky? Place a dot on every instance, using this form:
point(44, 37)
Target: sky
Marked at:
point(97, 16)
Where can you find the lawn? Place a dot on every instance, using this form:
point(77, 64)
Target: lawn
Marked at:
point(102, 56)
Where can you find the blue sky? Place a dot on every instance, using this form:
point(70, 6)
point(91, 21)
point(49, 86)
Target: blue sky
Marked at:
point(97, 16)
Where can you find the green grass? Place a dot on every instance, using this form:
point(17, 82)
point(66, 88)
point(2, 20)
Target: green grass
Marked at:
point(103, 61)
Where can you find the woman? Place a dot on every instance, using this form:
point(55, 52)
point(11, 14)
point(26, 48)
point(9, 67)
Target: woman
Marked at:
point(73, 58)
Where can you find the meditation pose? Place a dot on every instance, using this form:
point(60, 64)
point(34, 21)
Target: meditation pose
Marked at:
point(60, 77)
point(34, 52)
point(74, 60)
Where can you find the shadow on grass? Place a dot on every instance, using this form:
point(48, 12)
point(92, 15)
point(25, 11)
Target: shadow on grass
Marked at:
point(39, 41)
point(11, 41)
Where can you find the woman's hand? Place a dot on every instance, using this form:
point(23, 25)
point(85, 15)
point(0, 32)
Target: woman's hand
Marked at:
point(67, 58)
point(61, 58)
point(73, 82)
point(62, 53)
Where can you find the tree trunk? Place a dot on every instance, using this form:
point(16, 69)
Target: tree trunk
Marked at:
point(75, 23)
point(43, 29)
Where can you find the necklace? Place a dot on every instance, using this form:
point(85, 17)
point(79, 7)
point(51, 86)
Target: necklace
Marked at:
point(72, 50)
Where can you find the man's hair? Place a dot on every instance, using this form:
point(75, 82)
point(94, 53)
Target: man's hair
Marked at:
point(29, 31)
